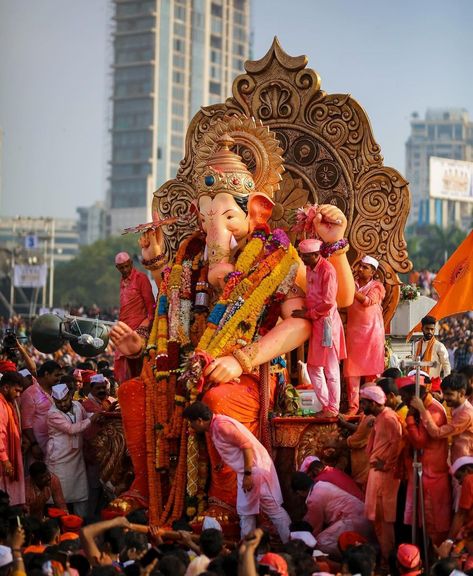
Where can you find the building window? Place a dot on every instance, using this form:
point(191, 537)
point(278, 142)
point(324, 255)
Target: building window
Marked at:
point(215, 88)
point(215, 42)
point(239, 4)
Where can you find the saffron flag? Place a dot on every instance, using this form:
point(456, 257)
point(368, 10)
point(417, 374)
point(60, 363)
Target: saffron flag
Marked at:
point(454, 283)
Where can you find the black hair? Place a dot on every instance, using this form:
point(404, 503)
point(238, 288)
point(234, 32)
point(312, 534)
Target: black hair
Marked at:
point(48, 531)
point(139, 516)
point(198, 410)
point(444, 567)
point(171, 565)
point(211, 542)
point(37, 468)
point(428, 321)
point(11, 379)
point(388, 386)
point(301, 481)
point(226, 565)
point(392, 373)
point(455, 382)
point(136, 540)
point(80, 563)
point(360, 559)
point(115, 538)
point(48, 367)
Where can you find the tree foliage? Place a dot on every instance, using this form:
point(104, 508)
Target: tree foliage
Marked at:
point(431, 246)
point(91, 277)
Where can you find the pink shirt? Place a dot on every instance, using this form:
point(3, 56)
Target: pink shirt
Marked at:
point(460, 428)
point(340, 479)
point(365, 332)
point(34, 405)
point(230, 438)
point(327, 504)
point(321, 304)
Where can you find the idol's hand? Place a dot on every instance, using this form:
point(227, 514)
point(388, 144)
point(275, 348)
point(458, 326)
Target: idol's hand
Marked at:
point(127, 341)
point(223, 370)
point(151, 243)
point(330, 223)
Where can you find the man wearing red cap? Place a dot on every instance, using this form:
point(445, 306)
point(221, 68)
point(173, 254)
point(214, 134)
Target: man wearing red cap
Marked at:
point(383, 448)
point(433, 454)
point(136, 311)
point(365, 331)
point(408, 560)
point(327, 342)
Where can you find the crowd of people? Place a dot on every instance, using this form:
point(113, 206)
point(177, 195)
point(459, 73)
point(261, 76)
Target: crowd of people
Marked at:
point(353, 520)
point(410, 456)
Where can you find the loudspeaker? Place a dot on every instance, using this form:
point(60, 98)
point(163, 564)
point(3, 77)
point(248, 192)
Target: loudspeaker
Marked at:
point(88, 337)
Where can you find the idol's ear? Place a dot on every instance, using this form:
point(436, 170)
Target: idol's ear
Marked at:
point(260, 208)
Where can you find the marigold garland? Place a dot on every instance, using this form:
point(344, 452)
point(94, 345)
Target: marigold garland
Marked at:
point(264, 272)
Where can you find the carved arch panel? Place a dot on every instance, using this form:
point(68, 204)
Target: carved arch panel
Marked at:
point(330, 156)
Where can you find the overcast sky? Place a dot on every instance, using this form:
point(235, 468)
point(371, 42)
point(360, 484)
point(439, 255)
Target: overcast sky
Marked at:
point(393, 57)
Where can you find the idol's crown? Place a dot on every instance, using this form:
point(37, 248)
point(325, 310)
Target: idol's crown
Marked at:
point(224, 172)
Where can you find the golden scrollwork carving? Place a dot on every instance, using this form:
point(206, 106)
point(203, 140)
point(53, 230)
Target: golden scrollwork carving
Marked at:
point(330, 156)
point(110, 451)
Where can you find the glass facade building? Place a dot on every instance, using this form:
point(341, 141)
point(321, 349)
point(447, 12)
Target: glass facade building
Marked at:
point(170, 58)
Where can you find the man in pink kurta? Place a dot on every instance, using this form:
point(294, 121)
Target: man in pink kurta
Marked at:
point(258, 484)
point(12, 478)
point(383, 448)
point(330, 511)
point(136, 310)
point(364, 331)
point(327, 341)
point(460, 428)
point(35, 403)
point(433, 454)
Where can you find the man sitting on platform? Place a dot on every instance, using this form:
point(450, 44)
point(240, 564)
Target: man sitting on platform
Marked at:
point(258, 484)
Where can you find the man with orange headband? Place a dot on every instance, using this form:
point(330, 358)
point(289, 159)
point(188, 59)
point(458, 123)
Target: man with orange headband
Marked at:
point(136, 310)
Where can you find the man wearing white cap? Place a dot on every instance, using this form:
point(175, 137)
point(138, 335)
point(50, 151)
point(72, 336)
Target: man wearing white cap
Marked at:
point(67, 420)
point(383, 448)
point(136, 311)
point(327, 342)
point(365, 331)
point(462, 470)
point(98, 399)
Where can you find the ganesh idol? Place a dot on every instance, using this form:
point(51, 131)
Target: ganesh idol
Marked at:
point(224, 309)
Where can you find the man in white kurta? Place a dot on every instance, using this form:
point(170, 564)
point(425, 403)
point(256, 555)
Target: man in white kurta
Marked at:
point(67, 421)
point(257, 481)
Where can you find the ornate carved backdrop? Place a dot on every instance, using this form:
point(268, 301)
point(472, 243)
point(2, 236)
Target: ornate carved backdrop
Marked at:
point(330, 156)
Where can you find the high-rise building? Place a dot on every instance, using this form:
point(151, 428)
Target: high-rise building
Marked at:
point(444, 133)
point(170, 58)
point(91, 226)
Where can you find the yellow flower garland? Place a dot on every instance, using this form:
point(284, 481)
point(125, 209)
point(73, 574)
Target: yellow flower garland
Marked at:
point(254, 302)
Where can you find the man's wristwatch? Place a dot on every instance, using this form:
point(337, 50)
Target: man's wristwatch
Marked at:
point(247, 473)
